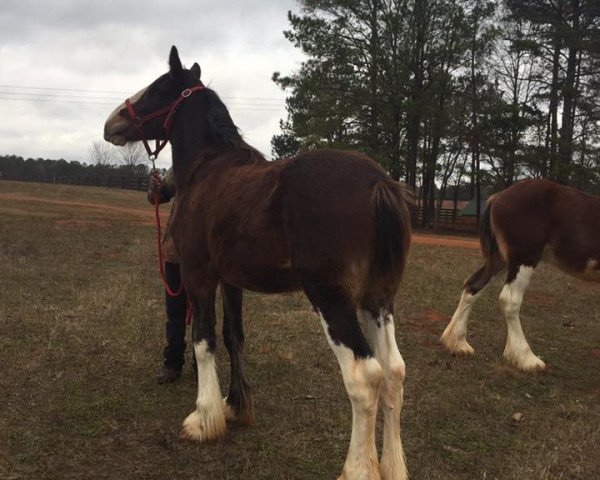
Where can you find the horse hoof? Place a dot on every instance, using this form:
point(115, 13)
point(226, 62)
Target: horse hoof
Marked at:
point(230, 414)
point(198, 428)
point(464, 350)
point(524, 359)
point(532, 365)
point(244, 417)
point(168, 375)
point(457, 347)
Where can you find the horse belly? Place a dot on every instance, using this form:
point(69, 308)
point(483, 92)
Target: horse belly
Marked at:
point(575, 263)
point(266, 279)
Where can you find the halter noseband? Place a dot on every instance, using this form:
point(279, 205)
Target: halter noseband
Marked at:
point(169, 110)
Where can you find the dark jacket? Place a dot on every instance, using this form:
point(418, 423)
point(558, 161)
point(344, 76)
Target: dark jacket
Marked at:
point(166, 193)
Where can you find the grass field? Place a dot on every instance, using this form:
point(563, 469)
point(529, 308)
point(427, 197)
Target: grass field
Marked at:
point(81, 337)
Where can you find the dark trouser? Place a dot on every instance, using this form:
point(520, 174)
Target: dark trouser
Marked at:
point(176, 311)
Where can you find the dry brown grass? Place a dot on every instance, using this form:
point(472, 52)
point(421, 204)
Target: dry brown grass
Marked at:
point(81, 334)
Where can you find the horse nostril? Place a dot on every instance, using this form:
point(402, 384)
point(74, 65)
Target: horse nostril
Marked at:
point(109, 130)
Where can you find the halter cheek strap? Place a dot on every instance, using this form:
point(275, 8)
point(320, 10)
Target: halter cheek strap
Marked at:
point(169, 110)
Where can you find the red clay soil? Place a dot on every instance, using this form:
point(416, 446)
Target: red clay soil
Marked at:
point(539, 298)
point(440, 241)
point(435, 316)
point(427, 322)
point(81, 223)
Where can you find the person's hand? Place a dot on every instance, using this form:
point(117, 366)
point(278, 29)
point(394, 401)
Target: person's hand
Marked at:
point(154, 187)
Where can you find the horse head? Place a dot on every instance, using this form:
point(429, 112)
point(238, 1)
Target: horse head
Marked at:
point(146, 115)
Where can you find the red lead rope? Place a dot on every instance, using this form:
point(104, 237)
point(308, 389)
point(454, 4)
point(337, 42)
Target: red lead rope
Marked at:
point(138, 122)
point(161, 268)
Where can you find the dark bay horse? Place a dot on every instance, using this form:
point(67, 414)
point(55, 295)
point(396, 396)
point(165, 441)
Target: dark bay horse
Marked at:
point(532, 221)
point(328, 222)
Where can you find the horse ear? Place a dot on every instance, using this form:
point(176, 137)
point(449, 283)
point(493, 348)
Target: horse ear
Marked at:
point(174, 63)
point(195, 71)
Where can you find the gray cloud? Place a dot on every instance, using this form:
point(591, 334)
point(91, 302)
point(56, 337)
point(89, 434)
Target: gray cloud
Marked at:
point(120, 46)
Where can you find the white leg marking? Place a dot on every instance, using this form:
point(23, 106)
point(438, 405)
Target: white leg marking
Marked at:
point(382, 335)
point(454, 337)
point(362, 378)
point(207, 422)
point(517, 350)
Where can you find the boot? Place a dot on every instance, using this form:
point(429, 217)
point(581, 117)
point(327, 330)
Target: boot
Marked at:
point(168, 375)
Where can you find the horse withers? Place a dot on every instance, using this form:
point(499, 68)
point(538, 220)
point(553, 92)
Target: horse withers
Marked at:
point(330, 223)
point(532, 221)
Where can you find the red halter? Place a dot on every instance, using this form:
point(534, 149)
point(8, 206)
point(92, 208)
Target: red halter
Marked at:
point(169, 110)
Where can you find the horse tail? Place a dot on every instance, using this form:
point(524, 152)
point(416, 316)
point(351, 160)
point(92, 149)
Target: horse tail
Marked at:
point(487, 238)
point(390, 201)
point(494, 261)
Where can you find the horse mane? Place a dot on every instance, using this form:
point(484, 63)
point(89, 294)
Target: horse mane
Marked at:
point(222, 128)
point(228, 144)
point(224, 132)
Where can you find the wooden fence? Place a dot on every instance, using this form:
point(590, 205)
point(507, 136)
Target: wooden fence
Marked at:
point(108, 181)
point(448, 219)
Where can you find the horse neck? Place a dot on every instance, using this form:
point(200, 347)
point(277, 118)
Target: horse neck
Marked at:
point(189, 142)
point(192, 144)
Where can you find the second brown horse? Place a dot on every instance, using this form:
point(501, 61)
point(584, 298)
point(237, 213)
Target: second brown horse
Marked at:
point(532, 221)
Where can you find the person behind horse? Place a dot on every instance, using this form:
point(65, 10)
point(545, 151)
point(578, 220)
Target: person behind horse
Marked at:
point(174, 351)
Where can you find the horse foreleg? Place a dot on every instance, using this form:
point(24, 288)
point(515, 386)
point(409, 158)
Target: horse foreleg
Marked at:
point(517, 350)
point(207, 421)
point(238, 403)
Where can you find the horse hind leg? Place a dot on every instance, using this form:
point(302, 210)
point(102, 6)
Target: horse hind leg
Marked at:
point(517, 350)
point(379, 327)
point(362, 375)
point(238, 404)
point(454, 337)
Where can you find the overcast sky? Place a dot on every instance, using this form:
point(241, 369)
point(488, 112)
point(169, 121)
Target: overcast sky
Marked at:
point(65, 65)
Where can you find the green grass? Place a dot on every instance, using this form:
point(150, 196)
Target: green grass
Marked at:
point(81, 336)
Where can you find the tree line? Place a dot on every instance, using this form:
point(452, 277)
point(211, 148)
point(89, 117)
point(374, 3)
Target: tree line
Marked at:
point(104, 161)
point(449, 94)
